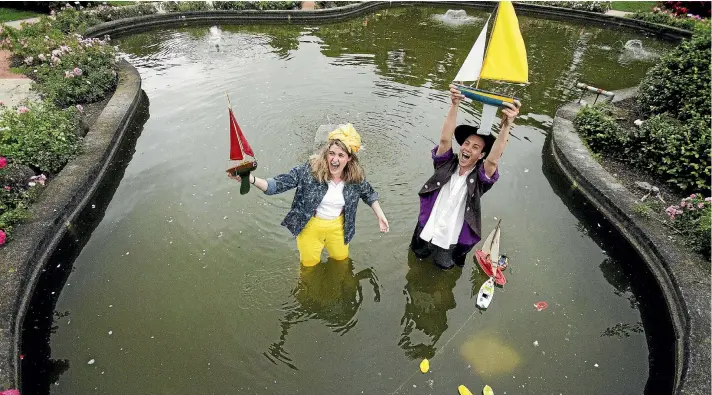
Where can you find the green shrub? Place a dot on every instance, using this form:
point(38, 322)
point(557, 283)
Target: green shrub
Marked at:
point(680, 83)
point(600, 131)
point(32, 40)
point(185, 6)
point(16, 194)
point(665, 18)
point(72, 20)
point(593, 6)
point(84, 73)
point(692, 217)
point(108, 13)
point(678, 153)
point(40, 135)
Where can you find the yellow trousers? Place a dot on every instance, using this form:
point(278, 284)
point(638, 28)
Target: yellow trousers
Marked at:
point(320, 233)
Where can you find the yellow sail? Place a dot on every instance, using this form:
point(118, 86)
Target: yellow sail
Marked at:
point(506, 58)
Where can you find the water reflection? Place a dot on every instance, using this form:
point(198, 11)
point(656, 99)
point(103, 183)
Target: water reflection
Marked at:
point(39, 370)
point(429, 296)
point(329, 292)
point(625, 271)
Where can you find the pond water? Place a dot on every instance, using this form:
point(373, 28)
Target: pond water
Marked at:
point(185, 286)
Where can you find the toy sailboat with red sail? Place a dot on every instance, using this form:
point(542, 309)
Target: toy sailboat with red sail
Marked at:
point(239, 148)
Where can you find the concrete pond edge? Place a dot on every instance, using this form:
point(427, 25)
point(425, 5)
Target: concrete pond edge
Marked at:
point(23, 259)
point(685, 283)
point(67, 195)
point(327, 15)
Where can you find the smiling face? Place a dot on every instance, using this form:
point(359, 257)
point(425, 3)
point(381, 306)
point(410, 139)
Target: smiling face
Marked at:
point(471, 151)
point(337, 158)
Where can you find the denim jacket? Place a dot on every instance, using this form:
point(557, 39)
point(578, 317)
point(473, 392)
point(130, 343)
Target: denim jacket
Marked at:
point(310, 193)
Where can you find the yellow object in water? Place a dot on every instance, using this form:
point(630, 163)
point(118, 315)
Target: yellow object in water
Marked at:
point(487, 390)
point(463, 390)
point(425, 366)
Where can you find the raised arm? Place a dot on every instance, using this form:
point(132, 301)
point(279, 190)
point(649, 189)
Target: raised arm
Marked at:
point(508, 115)
point(450, 121)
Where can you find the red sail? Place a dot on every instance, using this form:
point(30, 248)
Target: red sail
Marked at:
point(238, 147)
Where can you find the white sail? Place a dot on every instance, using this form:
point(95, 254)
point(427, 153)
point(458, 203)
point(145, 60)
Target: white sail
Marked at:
point(487, 245)
point(471, 68)
point(494, 249)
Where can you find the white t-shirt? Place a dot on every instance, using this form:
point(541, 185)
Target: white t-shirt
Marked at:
point(448, 215)
point(333, 202)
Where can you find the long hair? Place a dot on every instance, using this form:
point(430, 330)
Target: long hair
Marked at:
point(353, 172)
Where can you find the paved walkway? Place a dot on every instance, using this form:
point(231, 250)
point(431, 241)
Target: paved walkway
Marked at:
point(621, 14)
point(14, 88)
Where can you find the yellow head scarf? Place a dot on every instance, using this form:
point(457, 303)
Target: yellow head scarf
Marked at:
point(348, 135)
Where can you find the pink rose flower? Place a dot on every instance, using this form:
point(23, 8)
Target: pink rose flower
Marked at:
point(80, 108)
point(7, 187)
point(3, 237)
point(22, 110)
point(3, 162)
point(700, 205)
point(708, 199)
point(41, 57)
point(693, 196)
point(77, 71)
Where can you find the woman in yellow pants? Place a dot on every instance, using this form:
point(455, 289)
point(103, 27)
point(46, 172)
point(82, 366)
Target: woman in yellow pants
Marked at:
point(329, 186)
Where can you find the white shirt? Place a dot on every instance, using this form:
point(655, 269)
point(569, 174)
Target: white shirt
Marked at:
point(448, 215)
point(333, 202)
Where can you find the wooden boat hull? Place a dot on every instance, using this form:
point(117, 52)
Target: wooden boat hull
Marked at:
point(243, 170)
point(485, 97)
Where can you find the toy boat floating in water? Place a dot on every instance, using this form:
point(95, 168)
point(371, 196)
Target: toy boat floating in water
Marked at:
point(239, 147)
point(484, 297)
point(488, 256)
point(503, 59)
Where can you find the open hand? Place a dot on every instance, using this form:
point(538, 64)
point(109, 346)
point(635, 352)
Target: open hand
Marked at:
point(455, 95)
point(383, 224)
point(510, 112)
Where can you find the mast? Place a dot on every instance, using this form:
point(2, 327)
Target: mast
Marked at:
point(494, 25)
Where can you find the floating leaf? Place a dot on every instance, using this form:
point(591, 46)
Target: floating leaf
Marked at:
point(425, 366)
point(463, 390)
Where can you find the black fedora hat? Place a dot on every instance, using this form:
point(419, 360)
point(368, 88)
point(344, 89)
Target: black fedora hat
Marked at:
point(462, 132)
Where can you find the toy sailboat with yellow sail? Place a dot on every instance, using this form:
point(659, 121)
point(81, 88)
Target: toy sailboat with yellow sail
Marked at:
point(239, 148)
point(503, 58)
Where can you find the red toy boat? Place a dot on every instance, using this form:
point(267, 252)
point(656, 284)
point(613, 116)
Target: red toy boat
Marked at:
point(239, 147)
point(488, 255)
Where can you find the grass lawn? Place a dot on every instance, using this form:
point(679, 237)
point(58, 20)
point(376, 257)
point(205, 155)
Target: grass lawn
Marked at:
point(11, 14)
point(633, 6)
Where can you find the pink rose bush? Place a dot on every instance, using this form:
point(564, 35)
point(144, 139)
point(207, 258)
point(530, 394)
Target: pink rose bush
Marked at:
point(692, 217)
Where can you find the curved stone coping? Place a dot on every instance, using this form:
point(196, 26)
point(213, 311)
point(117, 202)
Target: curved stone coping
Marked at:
point(22, 260)
point(684, 281)
point(148, 22)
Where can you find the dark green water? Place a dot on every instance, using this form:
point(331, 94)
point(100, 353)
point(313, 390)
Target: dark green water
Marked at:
point(185, 286)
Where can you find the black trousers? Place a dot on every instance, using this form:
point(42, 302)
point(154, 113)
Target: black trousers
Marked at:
point(443, 258)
